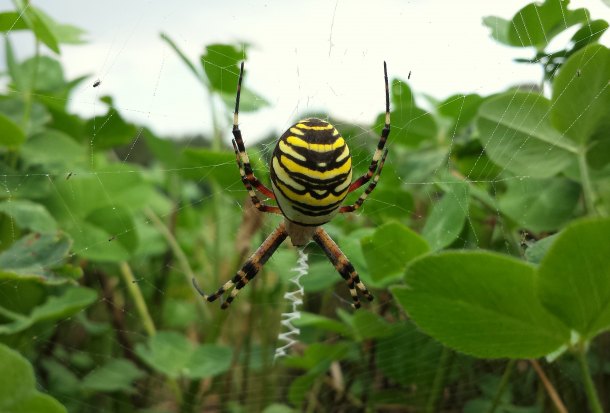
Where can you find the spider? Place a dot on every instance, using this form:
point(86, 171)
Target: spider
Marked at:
point(311, 174)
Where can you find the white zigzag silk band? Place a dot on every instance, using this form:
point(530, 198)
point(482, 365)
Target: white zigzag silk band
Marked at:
point(296, 299)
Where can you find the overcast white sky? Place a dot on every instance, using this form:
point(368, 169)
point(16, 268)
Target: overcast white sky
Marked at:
point(307, 55)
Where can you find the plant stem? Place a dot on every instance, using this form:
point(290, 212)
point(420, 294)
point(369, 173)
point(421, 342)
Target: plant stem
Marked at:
point(508, 370)
point(595, 404)
point(587, 186)
point(550, 389)
point(179, 254)
point(138, 298)
point(439, 380)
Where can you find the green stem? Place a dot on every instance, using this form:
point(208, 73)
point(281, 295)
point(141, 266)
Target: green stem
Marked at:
point(594, 402)
point(178, 253)
point(587, 186)
point(138, 298)
point(502, 386)
point(439, 380)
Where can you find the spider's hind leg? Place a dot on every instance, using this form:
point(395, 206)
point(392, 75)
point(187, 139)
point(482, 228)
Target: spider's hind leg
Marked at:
point(249, 270)
point(343, 266)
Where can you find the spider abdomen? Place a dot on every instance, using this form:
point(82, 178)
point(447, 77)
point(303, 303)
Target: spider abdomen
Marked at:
point(311, 171)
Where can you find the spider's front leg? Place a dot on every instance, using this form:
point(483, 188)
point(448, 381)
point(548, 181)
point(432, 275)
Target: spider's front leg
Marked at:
point(342, 265)
point(249, 270)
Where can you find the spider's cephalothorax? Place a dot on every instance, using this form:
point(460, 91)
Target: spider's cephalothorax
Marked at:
point(311, 174)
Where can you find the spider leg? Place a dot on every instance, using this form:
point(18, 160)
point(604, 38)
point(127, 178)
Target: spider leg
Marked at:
point(382, 140)
point(342, 265)
point(250, 268)
point(255, 200)
point(243, 155)
point(369, 189)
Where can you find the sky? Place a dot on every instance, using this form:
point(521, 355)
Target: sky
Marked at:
point(304, 56)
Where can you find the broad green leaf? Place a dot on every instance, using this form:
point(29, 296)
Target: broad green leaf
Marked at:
point(11, 134)
point(221, 66)
point(36, 22)
point(517, 134)
point(410, 125)
point(388, 202)
point(18, 392)
point(116, 375)
point(390, 249)
point(535, 252)
point(14, 109)
point(408, 356)
point(55, 151)
point(36, 257)
point(589, 33)
point(119, 223)
point(209, 360)
point(320, 322)
point(540, 204)
point(461, 109)
point(446, 220)
point(278, 408)
point(481, 304)
point(49, 74)
point(29, 215)
point(73, 300)
point(63, 33)
point(95, 242)
point(11, 21)
point(172, 354)
point(368, 325)
point(204, 165)
point(317, 355)
point(499, 28)
point(581, 95)
point(537, 24)
point(110, 130)
point(249, 101)
point(574, 277)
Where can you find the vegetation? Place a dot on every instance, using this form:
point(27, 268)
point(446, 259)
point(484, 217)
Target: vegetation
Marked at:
point(485, 243)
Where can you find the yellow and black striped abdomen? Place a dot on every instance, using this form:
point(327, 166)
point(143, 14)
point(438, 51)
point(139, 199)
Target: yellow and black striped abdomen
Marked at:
point(311, 171)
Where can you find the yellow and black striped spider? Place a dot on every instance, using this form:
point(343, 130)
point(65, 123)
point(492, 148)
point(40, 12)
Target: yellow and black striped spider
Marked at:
point(311, 174)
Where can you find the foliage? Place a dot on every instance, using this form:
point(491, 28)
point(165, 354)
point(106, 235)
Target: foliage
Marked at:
point(485, 240)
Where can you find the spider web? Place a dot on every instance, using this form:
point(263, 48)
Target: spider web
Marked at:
point(325, 60)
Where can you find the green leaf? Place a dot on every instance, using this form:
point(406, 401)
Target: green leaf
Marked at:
point(118, 222)
point(205, 164)
point(249, 101)
point(446, 220)
point(499, 28)
point(581, 95)
point(63, 33)
point(481, 304)
point(11, 21)
point(73, 300)
point(408, 356)
point(368, 325)
point(96, 243)
point(278, 408)
point(221, 66)
point(116, 375)
point(29, 215)
point(36, 22)
point(574, 280)
point(321, 323)
point(516, 132)
point(209, 360)
point(390, 249)
point(11, 134)
point(535, 252)
point(589, 33)
point(55, 151)
point(49, 74)
point(540, 204)
point(172, 354)
point(461, 109)
point(36, 257)
point(18, 393)
point(410, 125)
point(110, 130)
point(537, 24)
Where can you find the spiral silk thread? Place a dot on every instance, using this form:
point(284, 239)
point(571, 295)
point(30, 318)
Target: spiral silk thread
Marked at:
point(296, 299)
